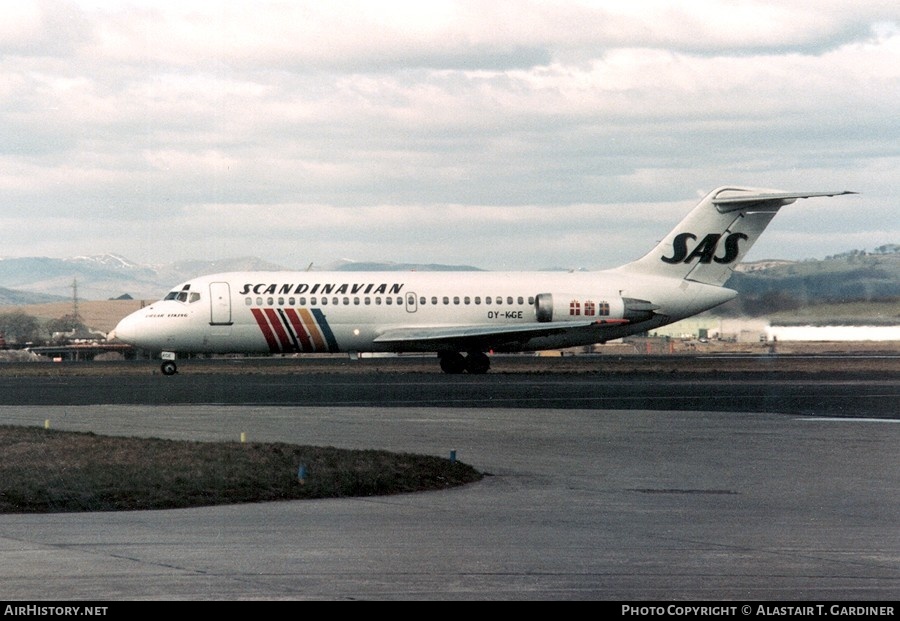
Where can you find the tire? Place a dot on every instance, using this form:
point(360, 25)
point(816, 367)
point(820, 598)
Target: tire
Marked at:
point(168, 368)
point(453, 362)
point(477, 363)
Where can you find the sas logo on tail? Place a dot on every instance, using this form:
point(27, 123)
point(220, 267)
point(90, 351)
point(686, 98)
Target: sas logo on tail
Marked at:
point(705, 250)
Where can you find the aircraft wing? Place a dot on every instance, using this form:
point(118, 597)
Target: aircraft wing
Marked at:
point(486, 335)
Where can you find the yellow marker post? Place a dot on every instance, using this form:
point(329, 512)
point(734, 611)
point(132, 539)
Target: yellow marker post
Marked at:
point(243, 437)
point(47, 423)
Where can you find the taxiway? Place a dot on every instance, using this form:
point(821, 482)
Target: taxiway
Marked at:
point(682, 488)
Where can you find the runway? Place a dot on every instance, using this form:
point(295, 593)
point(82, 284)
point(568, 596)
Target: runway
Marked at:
point(596, 502)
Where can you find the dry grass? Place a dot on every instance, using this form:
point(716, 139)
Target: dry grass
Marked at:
point(100, 315)
point(49, 471)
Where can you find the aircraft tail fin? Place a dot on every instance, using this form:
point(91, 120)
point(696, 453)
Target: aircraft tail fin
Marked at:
point(715, 236)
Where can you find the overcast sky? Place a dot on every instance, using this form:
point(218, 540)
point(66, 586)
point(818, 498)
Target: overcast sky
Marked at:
point(501, 134)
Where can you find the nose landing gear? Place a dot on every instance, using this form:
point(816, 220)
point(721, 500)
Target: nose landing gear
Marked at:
point(168, 366)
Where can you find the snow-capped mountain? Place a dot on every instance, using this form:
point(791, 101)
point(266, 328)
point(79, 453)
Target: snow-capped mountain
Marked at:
point(33, 280)
point(30, 280)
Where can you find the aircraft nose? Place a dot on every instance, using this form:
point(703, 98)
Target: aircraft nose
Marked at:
point(123, 332)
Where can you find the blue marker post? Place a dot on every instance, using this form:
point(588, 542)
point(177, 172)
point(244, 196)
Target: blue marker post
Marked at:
point(301, 474)
point(453, 456)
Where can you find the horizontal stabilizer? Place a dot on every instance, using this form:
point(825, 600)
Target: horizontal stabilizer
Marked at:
point(731, 200)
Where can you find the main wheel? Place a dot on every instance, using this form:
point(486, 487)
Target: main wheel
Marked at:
point(168, 368)
point(453, 362)
point(477, 363)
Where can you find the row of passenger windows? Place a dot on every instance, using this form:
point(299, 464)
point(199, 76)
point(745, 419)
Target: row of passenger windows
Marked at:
point(378, 301)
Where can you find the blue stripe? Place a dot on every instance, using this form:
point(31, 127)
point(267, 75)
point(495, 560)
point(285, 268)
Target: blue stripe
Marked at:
point(326, 331)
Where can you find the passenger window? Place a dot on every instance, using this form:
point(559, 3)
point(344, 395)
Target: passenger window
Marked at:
point(302, 301)
point(521, 300)
point(531, 300)
point(324, 301)
point(280, 301)
point(377, 301)
point(248, 301)
point(388, 300)
point(446, 300)
point(509, 300)
point(478, 299)
point(291, 302)
point(456, 299)
point(312, 301)
point(499, 300)
point(259, 301)
point(368, 301)
point(434, 300)
point(356, 301)
point(335, 300)
point(467, 300)
point(270, 301)
point(487, 299)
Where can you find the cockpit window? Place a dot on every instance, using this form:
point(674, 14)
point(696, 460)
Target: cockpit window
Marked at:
point(183, 296)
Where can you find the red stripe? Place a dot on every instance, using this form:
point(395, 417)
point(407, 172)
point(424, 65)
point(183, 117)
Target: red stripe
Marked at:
point(305, 344)
point(266, 330)
point(286, 343)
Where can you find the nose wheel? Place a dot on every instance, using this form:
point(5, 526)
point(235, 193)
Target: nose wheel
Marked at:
point(168, 368)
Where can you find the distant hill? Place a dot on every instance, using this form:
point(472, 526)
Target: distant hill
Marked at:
point(36, 280)
point(366, 266)
point(856, 277)
point(30, 280)
point(11, 297)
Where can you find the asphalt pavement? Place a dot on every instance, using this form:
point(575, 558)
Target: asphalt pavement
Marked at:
point(584, 499)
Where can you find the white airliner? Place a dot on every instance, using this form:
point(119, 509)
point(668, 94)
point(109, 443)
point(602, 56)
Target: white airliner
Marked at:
point(462, 315)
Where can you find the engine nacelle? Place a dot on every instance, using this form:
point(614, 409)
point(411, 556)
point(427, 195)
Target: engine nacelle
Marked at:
point(578, 307)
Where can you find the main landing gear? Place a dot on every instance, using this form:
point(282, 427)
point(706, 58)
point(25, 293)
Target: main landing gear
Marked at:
point(475, 362)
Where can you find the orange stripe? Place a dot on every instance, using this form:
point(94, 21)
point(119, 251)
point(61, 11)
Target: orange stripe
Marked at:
point(310, 323)
point(299, 329)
